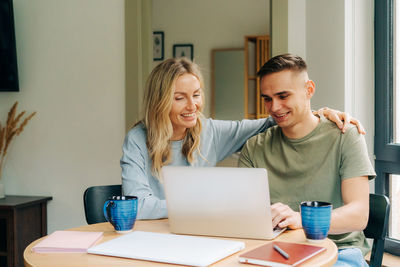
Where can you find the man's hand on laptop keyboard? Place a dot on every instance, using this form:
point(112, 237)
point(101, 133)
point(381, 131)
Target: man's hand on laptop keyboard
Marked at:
point(283, 216)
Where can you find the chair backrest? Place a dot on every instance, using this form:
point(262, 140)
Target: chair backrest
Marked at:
point(94, 198)
point(379, 207)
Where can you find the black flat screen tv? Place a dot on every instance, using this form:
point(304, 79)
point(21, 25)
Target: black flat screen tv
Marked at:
point(8, 51)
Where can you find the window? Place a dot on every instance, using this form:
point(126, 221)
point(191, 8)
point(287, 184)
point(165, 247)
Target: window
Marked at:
point(394, 193)
point(387, 112)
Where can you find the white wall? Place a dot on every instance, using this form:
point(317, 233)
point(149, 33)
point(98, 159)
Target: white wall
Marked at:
point(340, 56)
point(138, 56)
point(279, 27)
point(363, 106)
point(297, 28)
point(289, 27)
point(209, 24)
point(325, 51)
point(71, 71)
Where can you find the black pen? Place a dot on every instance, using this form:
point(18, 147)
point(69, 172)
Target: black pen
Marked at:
point(281, 251)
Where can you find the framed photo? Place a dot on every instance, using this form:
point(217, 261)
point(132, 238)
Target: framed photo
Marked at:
point(183, 50)
point(158, 45)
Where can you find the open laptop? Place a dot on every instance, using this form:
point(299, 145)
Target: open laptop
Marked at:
point(219, 201)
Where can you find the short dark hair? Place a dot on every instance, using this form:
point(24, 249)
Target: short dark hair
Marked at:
point(282, 62)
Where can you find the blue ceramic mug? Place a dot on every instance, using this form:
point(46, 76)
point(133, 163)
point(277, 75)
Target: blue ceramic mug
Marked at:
point(316, 219)
point(121, 212)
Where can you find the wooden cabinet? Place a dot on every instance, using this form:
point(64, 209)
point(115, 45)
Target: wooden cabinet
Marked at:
point(23, 219)
point(256, 52)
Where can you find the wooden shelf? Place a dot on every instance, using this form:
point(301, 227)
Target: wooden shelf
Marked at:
point(257, 52)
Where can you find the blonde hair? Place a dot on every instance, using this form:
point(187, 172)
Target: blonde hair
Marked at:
point(158, 99)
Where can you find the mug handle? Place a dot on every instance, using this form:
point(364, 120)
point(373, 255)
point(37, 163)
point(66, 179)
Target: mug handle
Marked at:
point(107, 211)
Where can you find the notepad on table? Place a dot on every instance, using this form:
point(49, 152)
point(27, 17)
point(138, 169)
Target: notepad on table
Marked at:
point(266, 255)
point(168, 248)
point(67, 241)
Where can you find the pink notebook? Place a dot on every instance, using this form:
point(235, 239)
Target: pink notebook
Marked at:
point(67, 241)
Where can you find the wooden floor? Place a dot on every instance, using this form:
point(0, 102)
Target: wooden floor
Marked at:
point(389, 260)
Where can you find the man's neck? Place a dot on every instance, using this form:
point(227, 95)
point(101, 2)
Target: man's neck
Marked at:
point(303, 128)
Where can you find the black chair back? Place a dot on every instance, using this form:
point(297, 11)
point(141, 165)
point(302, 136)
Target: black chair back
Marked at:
point(376, 229)
point(94, 198)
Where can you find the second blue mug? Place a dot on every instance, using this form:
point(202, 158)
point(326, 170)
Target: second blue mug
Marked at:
point(315, 219)
point(121, 212)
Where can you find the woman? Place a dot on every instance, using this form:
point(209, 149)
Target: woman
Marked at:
point(174, 132)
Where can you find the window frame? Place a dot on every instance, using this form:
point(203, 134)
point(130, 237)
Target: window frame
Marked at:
point(387, 153)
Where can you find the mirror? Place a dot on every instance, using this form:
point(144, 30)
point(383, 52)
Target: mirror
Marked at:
point(227, 84)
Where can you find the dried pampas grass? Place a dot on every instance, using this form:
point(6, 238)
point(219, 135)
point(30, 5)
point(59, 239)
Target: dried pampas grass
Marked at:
point(12, 128)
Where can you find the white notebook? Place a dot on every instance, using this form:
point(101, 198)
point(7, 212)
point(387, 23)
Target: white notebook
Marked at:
point(168, 248)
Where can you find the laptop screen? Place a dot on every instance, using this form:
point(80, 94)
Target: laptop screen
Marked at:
point(218, 201)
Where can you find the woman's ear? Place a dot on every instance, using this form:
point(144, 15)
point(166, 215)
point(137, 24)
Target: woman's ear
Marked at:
point(310, 88)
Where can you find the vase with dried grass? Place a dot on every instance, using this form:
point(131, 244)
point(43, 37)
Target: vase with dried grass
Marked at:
point(15, 124)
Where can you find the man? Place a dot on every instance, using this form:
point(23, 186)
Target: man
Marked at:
point(308, 158)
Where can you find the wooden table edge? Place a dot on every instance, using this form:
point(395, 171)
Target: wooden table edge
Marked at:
point(106, 226)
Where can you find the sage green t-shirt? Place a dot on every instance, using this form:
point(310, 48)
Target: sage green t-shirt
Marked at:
point(311, 168)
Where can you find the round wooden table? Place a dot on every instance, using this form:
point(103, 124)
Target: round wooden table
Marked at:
point(327, 258)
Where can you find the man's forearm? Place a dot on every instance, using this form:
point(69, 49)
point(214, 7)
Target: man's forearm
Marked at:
point(353, 215)
point(349, 218)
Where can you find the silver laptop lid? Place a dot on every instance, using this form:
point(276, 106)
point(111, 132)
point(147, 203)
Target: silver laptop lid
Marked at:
point(218, 201)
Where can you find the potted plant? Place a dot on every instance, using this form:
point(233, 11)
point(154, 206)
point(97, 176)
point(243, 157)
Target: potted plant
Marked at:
point(13, 127)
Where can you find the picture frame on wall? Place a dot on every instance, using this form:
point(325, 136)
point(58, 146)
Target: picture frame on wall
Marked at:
point(158, 45)
point(183, 50)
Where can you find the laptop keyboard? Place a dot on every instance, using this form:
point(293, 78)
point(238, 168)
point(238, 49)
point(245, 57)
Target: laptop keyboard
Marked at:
point(277, 229)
